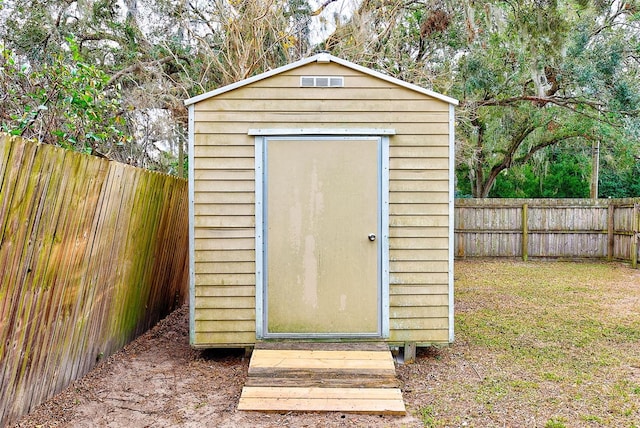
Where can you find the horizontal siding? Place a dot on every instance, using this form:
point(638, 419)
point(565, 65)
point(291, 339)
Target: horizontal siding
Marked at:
point(225, 209)
point(225, 221)
point(419, 323)
point(224, 243)
point(226, 291)
point(206, 279)
point(419, 289)
point(428, 254)
point(224, 255)
point(419, 312)
point(225, 267)
point(225, 314)
point(419, 300)
point(321, 105)
point(434, 128)
point(420, 266)
point(226, 198)
point(235, 302)
point(225, 326)
point(329, 94)
point(224, 184)
point(219, 151)
point(418, 209)
point(418, 278)
point(418, 185)
point(420, 336)
point(313, 116)
point(418, 220)
point(229, 186)
point(419, 174)
point(224, 174)
point(208, 339)
point(202, 234)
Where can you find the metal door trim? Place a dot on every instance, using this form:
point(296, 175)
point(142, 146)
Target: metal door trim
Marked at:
point(261, 177)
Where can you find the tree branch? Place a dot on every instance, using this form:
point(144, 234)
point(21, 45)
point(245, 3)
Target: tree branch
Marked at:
point(136, 66)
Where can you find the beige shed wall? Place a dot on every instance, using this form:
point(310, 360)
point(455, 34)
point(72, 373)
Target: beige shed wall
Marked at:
point(224, 195)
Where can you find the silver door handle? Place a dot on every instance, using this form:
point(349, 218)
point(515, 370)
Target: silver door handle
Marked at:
point(372, 237)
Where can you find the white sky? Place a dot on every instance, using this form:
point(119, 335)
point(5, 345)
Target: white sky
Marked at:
point(325, 23)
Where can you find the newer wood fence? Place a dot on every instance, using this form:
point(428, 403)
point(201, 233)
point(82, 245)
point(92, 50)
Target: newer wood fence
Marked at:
point(92, 253)
point(548, 228)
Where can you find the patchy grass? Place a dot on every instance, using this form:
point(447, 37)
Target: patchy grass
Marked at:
point(548, 344)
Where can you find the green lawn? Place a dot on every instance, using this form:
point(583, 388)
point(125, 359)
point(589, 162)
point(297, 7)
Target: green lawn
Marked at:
point(544, 344)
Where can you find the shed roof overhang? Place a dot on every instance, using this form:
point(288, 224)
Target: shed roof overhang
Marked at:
point(320, 58)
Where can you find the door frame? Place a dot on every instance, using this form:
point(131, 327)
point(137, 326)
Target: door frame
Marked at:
point(261, 142)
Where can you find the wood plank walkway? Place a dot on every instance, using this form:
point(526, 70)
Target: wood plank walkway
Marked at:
point(337, 377)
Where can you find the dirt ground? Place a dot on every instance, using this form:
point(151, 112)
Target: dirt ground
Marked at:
point(160, 381)
point(509, 366)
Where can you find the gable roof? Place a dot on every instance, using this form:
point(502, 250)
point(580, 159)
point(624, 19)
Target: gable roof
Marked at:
point(320, 58)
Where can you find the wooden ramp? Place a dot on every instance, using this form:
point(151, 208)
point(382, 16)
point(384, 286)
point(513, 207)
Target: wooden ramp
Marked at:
point(322, 377)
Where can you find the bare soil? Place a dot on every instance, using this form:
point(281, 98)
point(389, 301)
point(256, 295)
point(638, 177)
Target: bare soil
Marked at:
point(158, 380)
point(509, 369)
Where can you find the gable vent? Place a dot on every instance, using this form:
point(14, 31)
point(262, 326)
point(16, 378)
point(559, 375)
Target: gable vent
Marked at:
point(322, 81)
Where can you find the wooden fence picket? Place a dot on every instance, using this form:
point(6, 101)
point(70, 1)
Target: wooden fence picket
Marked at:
point(547, 228)
point(80, 243)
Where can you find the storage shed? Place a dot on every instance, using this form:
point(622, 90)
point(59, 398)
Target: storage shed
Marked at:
point(321, 208)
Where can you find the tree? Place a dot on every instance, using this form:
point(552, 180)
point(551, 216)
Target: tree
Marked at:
point(530, 75)
point(63, 102)
point(150, 55)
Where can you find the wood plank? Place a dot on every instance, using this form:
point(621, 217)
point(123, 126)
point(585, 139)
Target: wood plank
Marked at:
point(314, 105)
point(322, 363)
point(338, 381)
point(389, 407)
point(224, 326)
point(322, 377)
point(420, 336)
point(321, 373)
point(265, 354)
point(309, 116)
point(227, 303)
point(225, 290)
point(225, 198)
point(418, 312)
point(419, 151)
point(290, 96)
point(306, 392)
point(228, 221)
point(225, 314)
point(231, 128)
point(326, 346)
point(419, 300)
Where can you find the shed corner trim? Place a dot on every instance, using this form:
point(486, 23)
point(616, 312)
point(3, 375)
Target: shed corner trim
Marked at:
point(320, 131)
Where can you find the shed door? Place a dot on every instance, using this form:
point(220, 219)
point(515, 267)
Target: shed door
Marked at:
point(322, 225)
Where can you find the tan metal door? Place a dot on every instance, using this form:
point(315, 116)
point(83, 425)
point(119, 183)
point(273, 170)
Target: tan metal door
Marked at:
point(322, 255)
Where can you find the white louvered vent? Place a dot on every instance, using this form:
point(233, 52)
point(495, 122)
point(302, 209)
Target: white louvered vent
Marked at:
point(322, 81)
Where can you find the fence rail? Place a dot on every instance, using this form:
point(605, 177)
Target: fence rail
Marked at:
point(92, 253)
point(548, 228)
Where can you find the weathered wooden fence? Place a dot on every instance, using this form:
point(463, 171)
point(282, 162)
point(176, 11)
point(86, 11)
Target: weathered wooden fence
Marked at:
point(92, 253)
point(548, 228)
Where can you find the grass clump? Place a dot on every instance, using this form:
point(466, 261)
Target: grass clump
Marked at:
point(546, 341)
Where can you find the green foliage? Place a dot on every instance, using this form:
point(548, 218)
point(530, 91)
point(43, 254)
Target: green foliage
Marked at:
point(555, 423)
point(565, 174)
point(620, 183)
point(530, 75)
point(428, 416)
point(63, 102)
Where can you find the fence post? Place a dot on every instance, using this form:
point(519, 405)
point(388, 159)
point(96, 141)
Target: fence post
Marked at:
point(525, 232)
point(634, 237)
point(610, 230)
